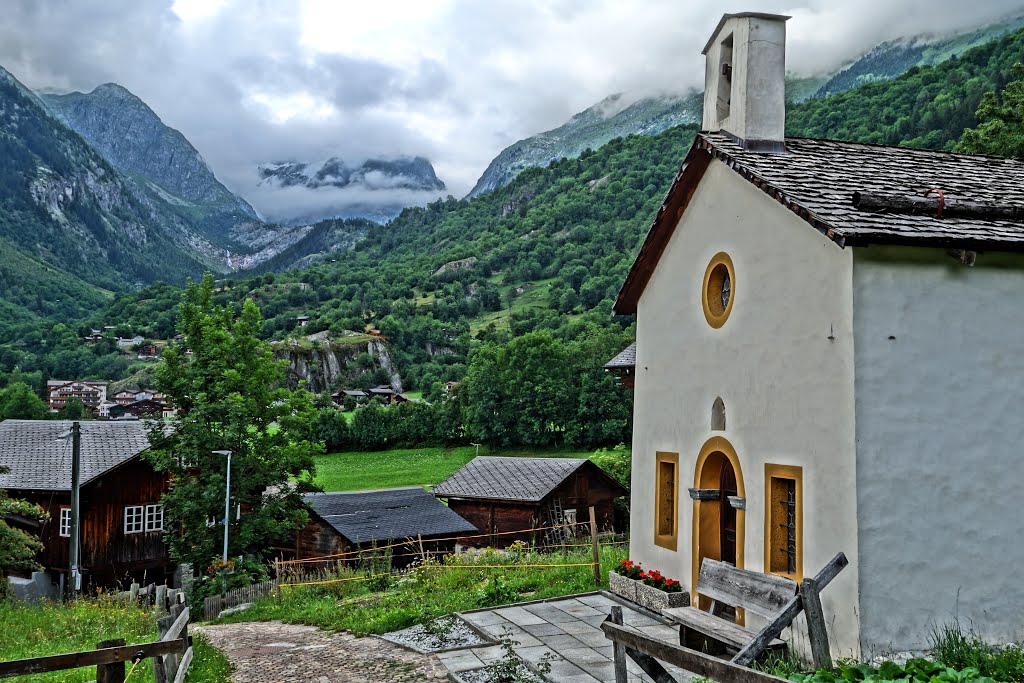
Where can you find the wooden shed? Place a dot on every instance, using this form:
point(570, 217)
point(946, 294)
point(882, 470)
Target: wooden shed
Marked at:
point(349, 521)
point(121, 528)
point(500, 495)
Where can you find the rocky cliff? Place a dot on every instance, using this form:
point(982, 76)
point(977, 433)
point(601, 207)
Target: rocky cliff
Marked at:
point(321, 363)
point(63, 204)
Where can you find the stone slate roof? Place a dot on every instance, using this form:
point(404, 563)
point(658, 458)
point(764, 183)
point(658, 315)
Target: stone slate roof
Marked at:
point(39, 455)
point(625, 359)
point(386, 514)
point(816, 180)
point(497, 478)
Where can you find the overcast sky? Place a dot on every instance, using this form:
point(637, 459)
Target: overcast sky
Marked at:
point(249, 81)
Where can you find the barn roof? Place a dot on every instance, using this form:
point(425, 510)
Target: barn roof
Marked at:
point(527, 480)
point(625, 359)
point(382, 515)
point(38, 452)
point(817, 180)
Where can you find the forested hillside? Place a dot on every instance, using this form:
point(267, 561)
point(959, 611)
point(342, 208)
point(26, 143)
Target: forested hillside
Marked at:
point(546, 252)
point(928, 106)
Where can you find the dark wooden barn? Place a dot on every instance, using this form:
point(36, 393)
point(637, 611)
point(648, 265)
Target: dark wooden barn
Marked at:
point(345, 522)
point(501, 495)
point(121, 527)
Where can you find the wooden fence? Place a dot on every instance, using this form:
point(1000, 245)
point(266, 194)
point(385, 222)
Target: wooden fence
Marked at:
point(215, 604)
point(171, 654)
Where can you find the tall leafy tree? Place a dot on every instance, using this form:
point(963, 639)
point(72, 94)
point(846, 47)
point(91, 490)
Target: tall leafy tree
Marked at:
point(229, 391)
point(1001, 128)
point(19, 402)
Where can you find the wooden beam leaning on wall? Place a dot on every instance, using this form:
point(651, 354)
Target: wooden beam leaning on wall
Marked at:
point(775, 627)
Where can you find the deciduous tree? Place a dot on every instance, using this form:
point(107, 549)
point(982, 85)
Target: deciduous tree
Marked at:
point(228, 390)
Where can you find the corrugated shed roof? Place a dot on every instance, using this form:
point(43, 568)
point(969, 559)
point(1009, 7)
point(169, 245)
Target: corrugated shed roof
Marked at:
point(625, 359)
point(816, 180)
point(368, 516)
point(38, 452)
point(498, 478)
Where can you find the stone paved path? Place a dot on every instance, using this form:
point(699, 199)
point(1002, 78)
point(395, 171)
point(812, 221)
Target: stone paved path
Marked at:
point(273, 652)
point(567, 631)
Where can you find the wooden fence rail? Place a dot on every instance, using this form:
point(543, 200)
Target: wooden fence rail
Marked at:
point(215, 604)
point(110, 659)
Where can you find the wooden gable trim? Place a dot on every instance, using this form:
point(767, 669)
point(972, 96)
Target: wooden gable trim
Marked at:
point(664, 225)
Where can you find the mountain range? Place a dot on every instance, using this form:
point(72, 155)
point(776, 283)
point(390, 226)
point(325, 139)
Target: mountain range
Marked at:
point(545, 252)
point(618, 115)
point(303, 192)
point(98, 195)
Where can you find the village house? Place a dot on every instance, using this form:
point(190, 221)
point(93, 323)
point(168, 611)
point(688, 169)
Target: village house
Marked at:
point(121, 527)
point(90, 393)
point(827, 360)
point(508, 498)
point(346, 522)
point(623, 366)
point(129, 342)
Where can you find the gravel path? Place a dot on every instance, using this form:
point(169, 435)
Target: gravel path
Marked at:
point(271, 651)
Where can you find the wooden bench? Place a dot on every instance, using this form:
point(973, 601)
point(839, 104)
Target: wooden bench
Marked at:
point(762, 594)
point(775, 598)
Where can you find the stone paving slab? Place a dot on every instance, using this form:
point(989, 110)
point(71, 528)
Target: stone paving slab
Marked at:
point(273, 652)
point(565, 631)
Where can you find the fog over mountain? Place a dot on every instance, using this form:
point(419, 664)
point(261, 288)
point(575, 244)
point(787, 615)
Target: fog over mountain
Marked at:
point(453, 81)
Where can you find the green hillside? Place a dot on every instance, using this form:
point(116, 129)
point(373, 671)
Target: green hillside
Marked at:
point(928, 106)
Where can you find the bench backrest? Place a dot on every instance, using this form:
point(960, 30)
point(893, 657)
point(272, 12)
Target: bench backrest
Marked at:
point(763, 594)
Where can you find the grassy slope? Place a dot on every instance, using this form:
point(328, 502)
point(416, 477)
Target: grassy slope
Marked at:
point(358, 471)
point(435, 591)
point(53, 628)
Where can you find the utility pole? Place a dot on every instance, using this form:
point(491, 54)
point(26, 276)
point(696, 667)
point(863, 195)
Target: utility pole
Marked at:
point(227, 512)
point(76, 467)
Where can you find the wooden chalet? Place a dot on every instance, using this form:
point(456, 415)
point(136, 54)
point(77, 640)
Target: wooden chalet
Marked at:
point(623, 366)
point(501, 495)
point(143, 408)
point(349, 521)
point(121, 526)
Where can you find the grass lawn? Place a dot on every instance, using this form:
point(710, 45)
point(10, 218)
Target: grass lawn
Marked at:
point(54, 628)
point(435, 590)
point(362, 470)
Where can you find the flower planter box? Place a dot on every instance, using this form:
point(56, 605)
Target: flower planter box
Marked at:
point(623, 586)
point(656, 599)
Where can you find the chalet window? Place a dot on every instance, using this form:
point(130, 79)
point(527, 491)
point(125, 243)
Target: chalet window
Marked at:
point(154, 518)
point(666, 523)
point(134, 519)
point(784, 513)
point(64, 528)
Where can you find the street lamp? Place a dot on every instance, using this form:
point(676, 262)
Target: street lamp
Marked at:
point(227, 505)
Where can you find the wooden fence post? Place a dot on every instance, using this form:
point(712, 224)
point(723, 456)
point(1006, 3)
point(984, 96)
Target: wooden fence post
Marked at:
point(113, 672)
point(618, 648)
point(133, 593)
point(161, 599)
point(160, 669)
point(818, 635)
point(593, 544)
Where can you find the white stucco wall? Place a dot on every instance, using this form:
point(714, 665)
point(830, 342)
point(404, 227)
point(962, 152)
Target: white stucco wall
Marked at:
point(788, 389)
point(940, 446)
